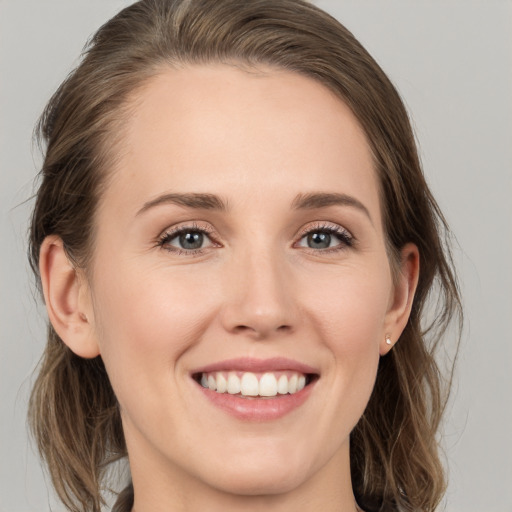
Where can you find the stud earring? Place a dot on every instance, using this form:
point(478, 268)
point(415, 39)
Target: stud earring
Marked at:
point(388, 339)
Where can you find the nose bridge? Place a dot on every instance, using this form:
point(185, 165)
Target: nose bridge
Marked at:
point(260, 298)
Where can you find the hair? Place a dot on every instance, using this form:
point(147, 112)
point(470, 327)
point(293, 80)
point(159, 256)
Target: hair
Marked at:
point(73, 412)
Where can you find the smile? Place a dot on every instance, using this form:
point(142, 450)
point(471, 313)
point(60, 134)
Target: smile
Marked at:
point(256, 390)
point(251, 384)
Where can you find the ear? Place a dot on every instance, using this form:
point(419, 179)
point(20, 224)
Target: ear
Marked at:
point(402, 297)
point(67, 298)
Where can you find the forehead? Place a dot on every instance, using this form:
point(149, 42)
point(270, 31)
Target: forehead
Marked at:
point(212, 128)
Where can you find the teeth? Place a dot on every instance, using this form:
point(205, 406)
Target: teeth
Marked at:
point(268, 385)
point(282, 385)
point(292, 384)
point(233, 384)
point(222, 383)
point(250, 384)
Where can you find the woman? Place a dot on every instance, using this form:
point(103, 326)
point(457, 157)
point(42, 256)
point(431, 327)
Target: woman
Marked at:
point(236, 244)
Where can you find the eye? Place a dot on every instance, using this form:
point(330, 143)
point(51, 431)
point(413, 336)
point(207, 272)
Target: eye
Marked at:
point(186, 239)
point(326, 237)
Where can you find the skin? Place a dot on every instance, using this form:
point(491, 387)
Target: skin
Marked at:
point(257, 139)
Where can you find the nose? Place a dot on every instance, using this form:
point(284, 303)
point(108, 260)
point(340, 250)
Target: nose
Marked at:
point(260, 297)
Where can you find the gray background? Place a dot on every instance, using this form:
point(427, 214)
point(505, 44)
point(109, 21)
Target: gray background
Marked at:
point(451, 60)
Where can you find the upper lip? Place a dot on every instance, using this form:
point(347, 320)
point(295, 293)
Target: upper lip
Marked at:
point(250, 364)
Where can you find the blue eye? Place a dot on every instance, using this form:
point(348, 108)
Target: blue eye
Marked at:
point(326, 238)
point(319, 240)
point(190, 240)
point(186, 240)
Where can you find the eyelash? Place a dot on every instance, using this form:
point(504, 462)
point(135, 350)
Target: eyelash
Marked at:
point(345, 238)
point(168, 236)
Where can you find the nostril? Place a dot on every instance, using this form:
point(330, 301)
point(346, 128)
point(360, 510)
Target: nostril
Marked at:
point(261, 331)
point(241, 328)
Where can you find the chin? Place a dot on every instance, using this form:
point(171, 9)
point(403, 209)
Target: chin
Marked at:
point(263, 472)
point(261, 482)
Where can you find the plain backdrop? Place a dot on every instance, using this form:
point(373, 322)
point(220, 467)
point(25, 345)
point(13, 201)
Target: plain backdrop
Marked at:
point(452, 62)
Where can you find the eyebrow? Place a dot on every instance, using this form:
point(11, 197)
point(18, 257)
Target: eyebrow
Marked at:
point(189, 200)
point(323, 199)
point(308, 201)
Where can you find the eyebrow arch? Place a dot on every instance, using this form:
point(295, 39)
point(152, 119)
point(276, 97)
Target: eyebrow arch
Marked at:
point(324, 199)
point(189, 200)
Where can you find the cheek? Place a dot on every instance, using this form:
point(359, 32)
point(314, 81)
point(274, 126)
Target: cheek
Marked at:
point(350, 307)
point(349, 318)
point(146, 318)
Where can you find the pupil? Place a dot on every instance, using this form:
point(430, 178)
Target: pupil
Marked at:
point(319, 240)
point(191, 240)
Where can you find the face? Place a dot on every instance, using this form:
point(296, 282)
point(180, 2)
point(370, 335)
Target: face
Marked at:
point(240, 288)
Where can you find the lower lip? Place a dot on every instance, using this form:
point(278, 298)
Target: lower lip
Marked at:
point(257, 409)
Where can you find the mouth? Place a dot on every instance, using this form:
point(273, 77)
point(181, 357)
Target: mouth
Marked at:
point(256, 389)
point(247, 384)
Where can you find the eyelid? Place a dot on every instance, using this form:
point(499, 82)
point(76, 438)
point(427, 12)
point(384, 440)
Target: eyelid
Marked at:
point(186, 226)
point(319, 225)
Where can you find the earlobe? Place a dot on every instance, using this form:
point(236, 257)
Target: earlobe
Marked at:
point(67, 299)
point(402, 297)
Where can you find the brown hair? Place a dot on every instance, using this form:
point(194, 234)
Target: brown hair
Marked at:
point(73, 411)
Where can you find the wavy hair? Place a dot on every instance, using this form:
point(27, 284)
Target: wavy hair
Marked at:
point(73, 412)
